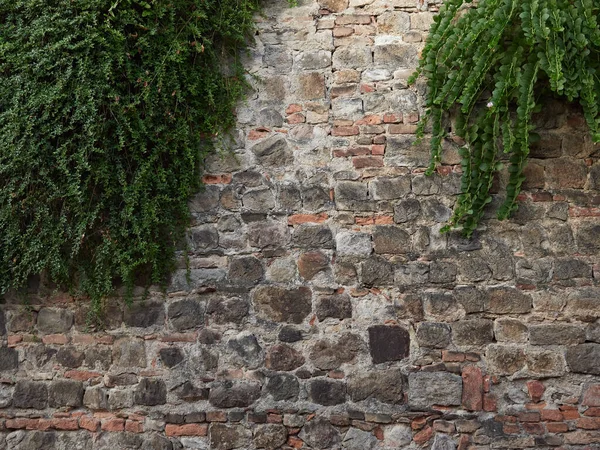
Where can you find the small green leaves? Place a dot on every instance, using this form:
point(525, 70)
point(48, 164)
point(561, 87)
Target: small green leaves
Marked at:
point(513, 50)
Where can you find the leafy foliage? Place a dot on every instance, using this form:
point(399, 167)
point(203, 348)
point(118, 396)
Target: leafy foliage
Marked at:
point(107, 108)
point(488, 66)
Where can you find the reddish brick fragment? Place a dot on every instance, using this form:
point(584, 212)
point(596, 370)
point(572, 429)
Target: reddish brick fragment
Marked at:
point(472, 394)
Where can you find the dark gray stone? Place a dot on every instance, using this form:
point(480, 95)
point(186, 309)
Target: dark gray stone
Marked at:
point(98, 357)
point(190, 393)
point(283, 386)
point(229, 394)
point(316, 198)
point(407, 210)
point(95, 398)
point(353, 196)
point(151, 392)
point(282, 357)
point(273, 152)
point(248, 349)
point(435, 210)
point(289, 197)
point(129, 353)
point(247, 179)
point(312, 263)
point(270, 436)
point(65, 393)
point(388, 343)
point(203, 238)
point(473, 332)
point(206, 199)
point(268, 235)
point(156, 442)
point(270, 117)
point(356, 439)
point(144, 314)
point(53, 320)
point(593, 332)
point(391, 239)
point(387, 386)
point(228, 309)
point(427, 389)
point(443, 442)
point(121, 379)
point(473, 268)
point(569, 268)
point(471, 298)
point(30, 394)
point(390, 188)
point(171, 356)
point(588, 238)
point(442, 272)
point(186, 314)
point(2, 323)
point(123, 441)
point(433, 335)
point(376, 271)
point(506, 300)
point(312, 236)
point(338, 306)
point(556, 333)
point(245, 270)
point(31, 440)
point(320, 434)
point(283, 305)
point(70, 357)
point(584, 358)
point(259, 200)
point(289, 334)
point(229, 437)
point(327, 355)
point(326, 392)
point(9, 359)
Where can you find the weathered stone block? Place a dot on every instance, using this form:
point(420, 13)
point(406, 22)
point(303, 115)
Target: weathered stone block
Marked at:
point(229, 437)
point(245, 270)
point(328, 355)
point(426, 389)
point(505, 300)
point(282, 357)
point(387, 386)
point(30, 394)
point(434, 335)
point(248, 350)
point(270, 436)
point(313, 60)
point(407, 210)
point(504, 359)
point(545, 363)
point(326, 392)
point(151, 392)
point(388, 343)
point(312, 236)
point(129, 353)
point(171, 356)
point(9, 359)
point(391, 239)
point(203, 238)
point(229, 394)
point(259, 200)
point(356, 439)
point(473, 332)
point(391, 53)
point(53, 320)
point(442, 272)
point(584, 358)
point(334, 5)
point(95, 398)
point(337, 306)
point(353, 244)
point(556, 333)
point(390, 188)
point(376, 271)
point(353, 196)
point(311, 86)
point(283, 386)
point(288, 333)
point(186, 314)
point(283, 305)
point(353, 57)
point(320, 434)
point(70, 357)
point(510, 330)
point(278, 58)
point(227, 309)
point(273, 152)
point(65, 393)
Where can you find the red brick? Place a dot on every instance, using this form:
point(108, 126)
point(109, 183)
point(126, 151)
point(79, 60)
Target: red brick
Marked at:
point(342, 31)
point(89, 423)
point(511, 428)
point(592, 412)
point(216, 416)
point(14, 339)
point(450, 356)
point(369, 120)
point(106, 339)
point(361, 162)
point(298, 219)
point(345, 131)
point(56, 339)
point(295, 442)
point(530, 416)
point(392, 118)
point(274, 418)
point(342, 91)
point(490, 403)
point(424, 435)
point(534, 428)
point(190, 429)
point(255, 135)
point(352, 151)
point(378, 149)
point(20, 423)
point(65, 424)
point(569, 412)
point(444, 426)
point(591, 396)
point(83, 339)
point(217, 179)
point(577, 211)
point(551, 415)
point(293, 108)
point(557, 427)
point(588, 423)
point(366, 88)
point(464, 442)
point(536, 390)
point(133, 426)
point(418, 423)
point(179, 337)
point(113, 425)
point(472, 393)
point(295, 118)
point(412, 117)
point(82, 375)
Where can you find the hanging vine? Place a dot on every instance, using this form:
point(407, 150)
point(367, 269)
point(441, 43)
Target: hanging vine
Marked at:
point(487, 66)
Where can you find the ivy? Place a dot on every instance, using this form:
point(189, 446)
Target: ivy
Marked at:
point(107, 111)
point(488, 66)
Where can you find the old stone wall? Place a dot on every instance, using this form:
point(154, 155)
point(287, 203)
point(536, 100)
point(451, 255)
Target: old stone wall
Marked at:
point(323, 309)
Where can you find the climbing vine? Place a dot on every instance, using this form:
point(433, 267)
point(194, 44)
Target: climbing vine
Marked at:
point(489, 66)
point(107, 110)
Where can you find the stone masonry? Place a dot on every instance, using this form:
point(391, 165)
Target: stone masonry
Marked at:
point(323, 309)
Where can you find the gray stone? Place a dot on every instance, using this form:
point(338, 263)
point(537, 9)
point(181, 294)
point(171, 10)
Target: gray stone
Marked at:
point(273, 152)
point(122, 441)
point(269, 117)
point(353, 244)
point(545, 363)
point(282, 357)
point(506, 300)
point(53, 320)
point(443, 442)
point(98, 357)
point(442, 272)
point(283, 305)
point(311, 60)
point(327, 355)
point(310, 264)
point(473, 268)
point(312, 236)
point(65, 393)
point(316, 198)
point(388, 343)
point(186, 314)
point(387, 386)
point(31, 440)
point(588, 238)
point(391, 239)
point(245, 270)
point(283, 386)
point(427, 389)
point(290, 334)
point(397, 436)
point(230, 394)
point(151, 392)
point(504, 359)
point(30, 394)
point(171, 356)
point(352, 57)
point(556, 333)
point(289, 197)
point(203, 238)
point(584, 358)
point(259, 200)
point(356, 439)
point(156, 442)
point(353, 196)
point(434, 335)
point(473, 332)
point(510, 330)
point(441, 306)
point(227, 309)
point(435, 210)
point(347, 108)
point(569, 268)
point(334, 5)
point(593, 332)
point(228, 437)
point(337, 306)
point(129, 353)
point(6, 394)
point(9, 359)
point(390, 188)
point(120, 398)
point(247, 348)
point(270, 436)
point(205, 200)
point(395, 54)
point(190, 393)
point(326, 392)
point(471, 298)
point(95, 398)
point(70, 357)
point(2, 323)
point(280, 59)
point(268, 235)
point(412, 273)
point(376, 271)
point(144, 314)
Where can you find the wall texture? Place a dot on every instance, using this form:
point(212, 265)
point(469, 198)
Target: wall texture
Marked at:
point(324, 310)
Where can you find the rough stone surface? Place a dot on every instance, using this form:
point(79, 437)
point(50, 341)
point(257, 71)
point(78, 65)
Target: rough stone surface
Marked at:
point(230, 394)
point(434, 388)
point(186, 314)
point(584, 358)
point(387, 386)
point(30, 394)
point(388, 343)
point(283, 305)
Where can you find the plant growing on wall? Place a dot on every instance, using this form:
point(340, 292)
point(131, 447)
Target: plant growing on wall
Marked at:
point(489, 66)
point(106, 112)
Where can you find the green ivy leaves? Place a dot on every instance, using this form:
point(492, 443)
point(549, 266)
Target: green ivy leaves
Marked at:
point(490, 63)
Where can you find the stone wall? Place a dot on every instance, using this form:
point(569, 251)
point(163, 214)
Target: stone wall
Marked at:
point(323, 309)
